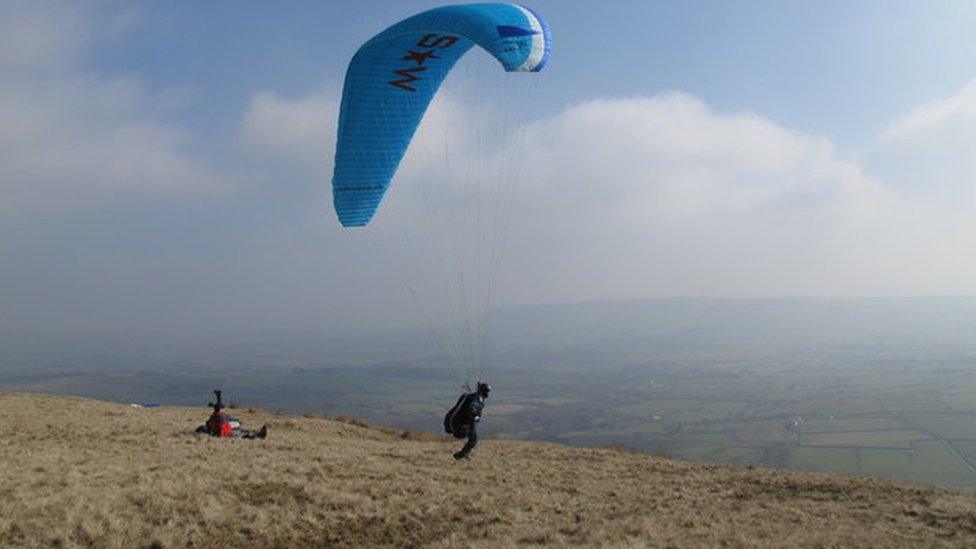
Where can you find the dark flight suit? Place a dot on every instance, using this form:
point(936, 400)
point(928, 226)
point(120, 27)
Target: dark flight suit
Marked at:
point(475, 406)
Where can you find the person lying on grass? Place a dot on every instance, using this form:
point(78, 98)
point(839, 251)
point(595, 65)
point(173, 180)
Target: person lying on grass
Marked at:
point(223, 425)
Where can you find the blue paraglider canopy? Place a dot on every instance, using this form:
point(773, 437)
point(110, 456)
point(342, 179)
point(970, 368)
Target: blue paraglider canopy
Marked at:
point(394, 76)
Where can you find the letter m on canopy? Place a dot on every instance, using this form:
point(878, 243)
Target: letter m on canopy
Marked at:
point(407, 78)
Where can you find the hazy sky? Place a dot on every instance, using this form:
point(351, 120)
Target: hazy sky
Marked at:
point(167, 165)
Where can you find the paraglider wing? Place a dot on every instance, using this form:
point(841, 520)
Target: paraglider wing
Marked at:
point(393, 77)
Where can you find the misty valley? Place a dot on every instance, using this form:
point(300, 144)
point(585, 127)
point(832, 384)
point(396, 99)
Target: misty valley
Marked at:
point(864, 387)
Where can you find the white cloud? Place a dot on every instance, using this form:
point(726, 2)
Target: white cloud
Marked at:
point(932, 118)
point(71, 138)
point(40, 35)
point(645, 196)
point(300, 131)
point(930, 153)
point(656, 196)
point(670, 157)
point(663, 196)
point(659, 196)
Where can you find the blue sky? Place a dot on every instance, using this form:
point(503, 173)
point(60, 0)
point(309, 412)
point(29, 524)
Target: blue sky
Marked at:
point(817, 67)
point(166, 165)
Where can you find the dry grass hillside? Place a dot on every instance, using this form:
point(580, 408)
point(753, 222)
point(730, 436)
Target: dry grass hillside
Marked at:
point(76, 472)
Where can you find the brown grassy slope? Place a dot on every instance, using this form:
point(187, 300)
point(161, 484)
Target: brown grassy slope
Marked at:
point(82, 472)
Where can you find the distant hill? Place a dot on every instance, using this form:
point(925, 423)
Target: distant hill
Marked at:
point(692, 325)
point(80, 472)
point(614, 330)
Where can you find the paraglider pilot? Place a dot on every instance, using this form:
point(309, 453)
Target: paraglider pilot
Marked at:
point(222, 425)
point(462, 420)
